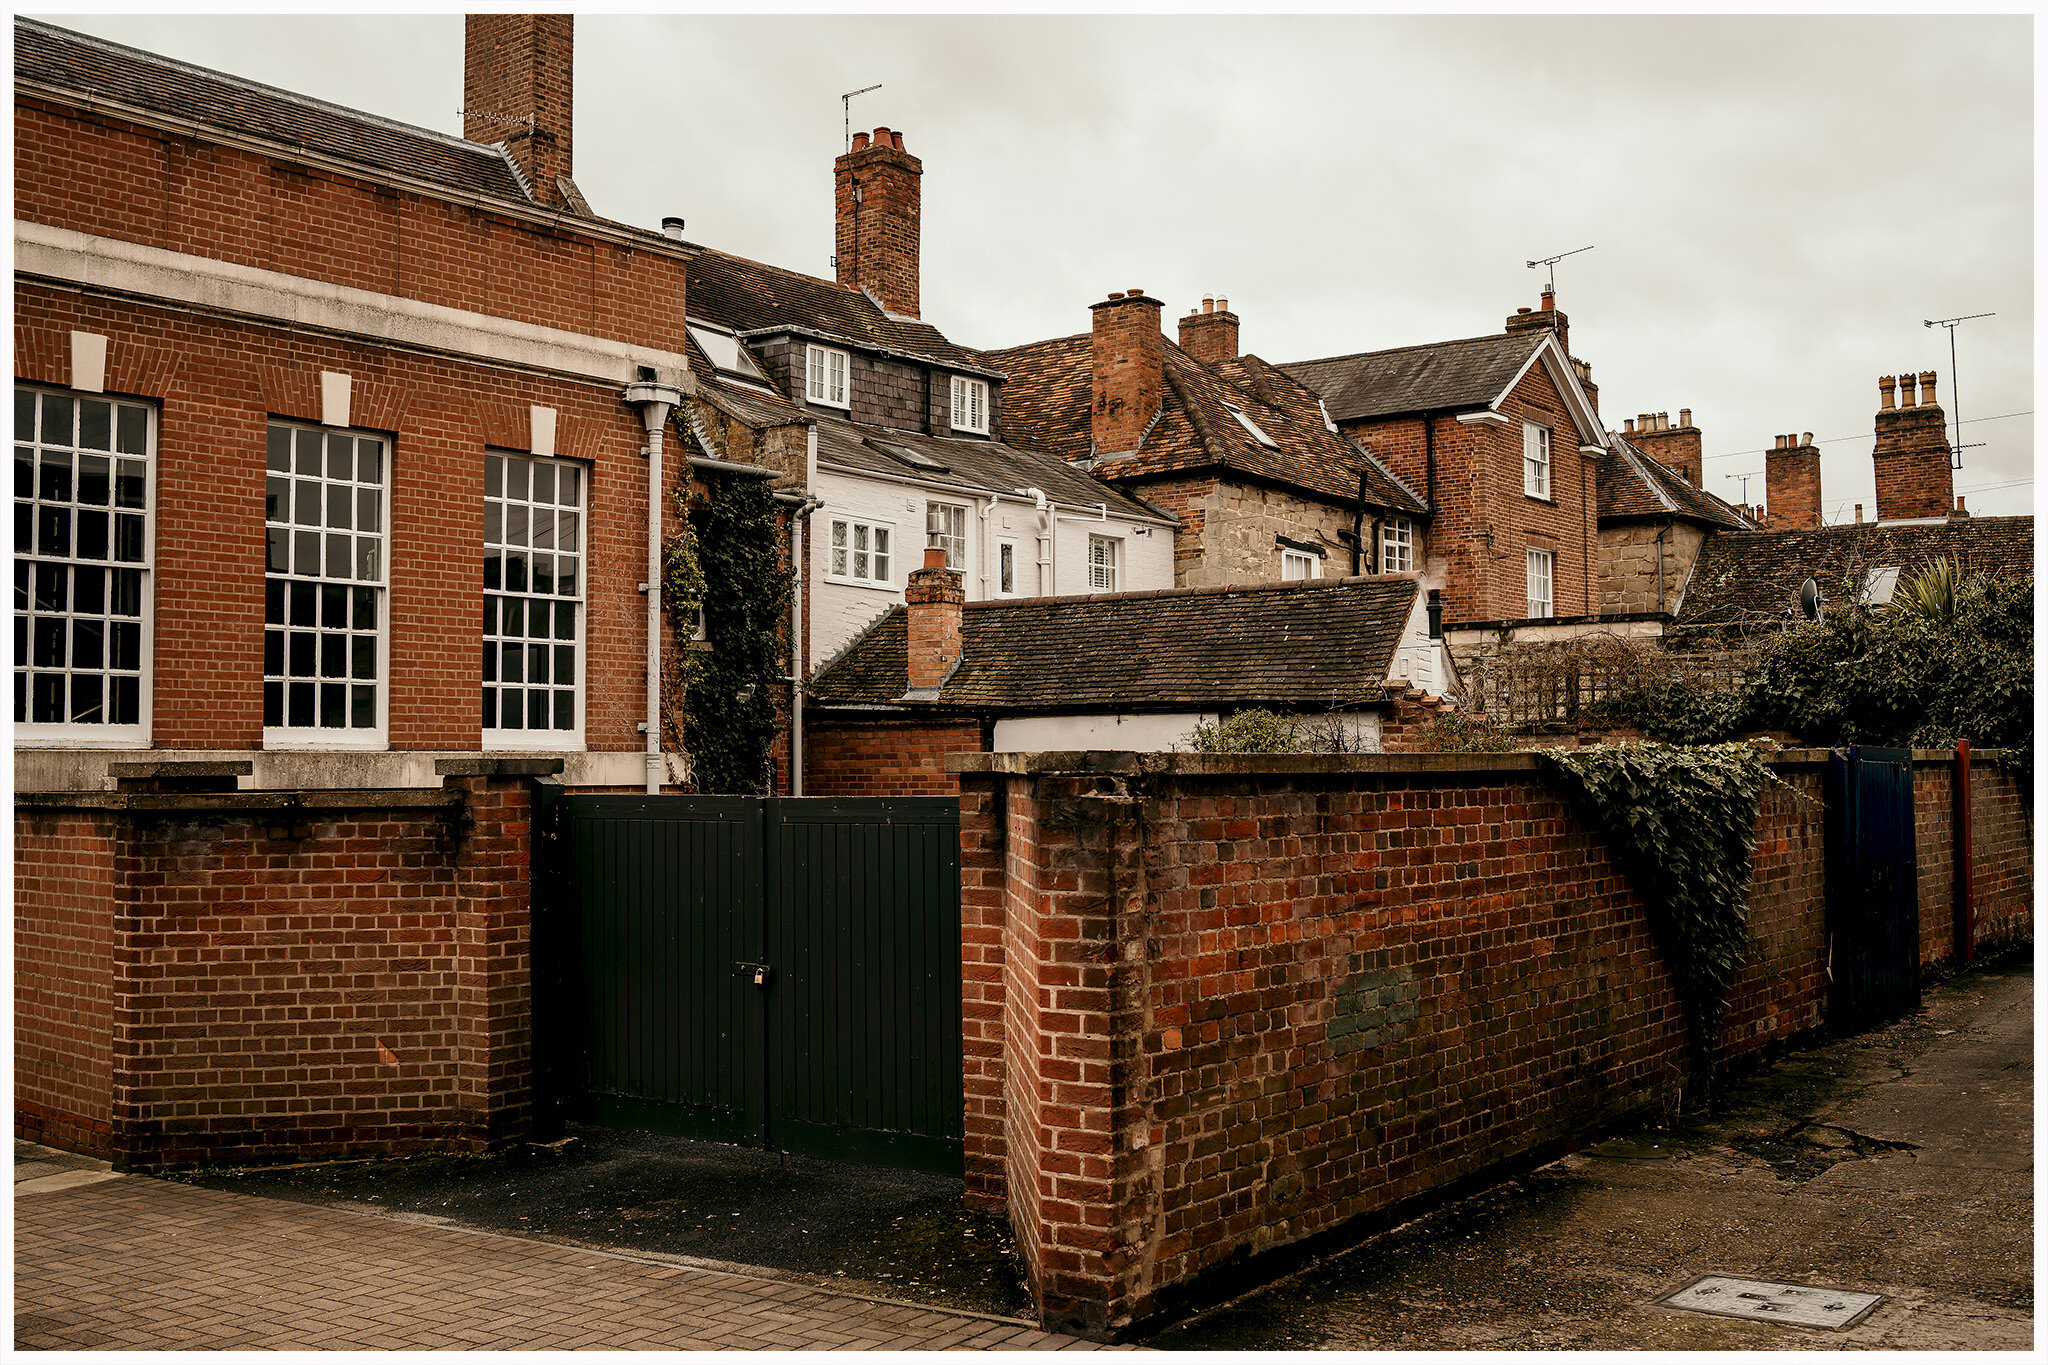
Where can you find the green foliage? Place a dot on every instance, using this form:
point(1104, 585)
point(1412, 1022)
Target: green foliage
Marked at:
point(1455, 732)
point(682, 598)
point(1248, 732)
point(1681, 823)
point(1935, 593)
point(1678, 710)
point(729, 708)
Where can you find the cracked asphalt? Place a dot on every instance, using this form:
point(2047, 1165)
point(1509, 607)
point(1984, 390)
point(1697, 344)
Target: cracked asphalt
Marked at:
point(1898, 1162)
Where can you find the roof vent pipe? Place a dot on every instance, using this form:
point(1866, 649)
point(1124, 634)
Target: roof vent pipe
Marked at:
point(672, 228)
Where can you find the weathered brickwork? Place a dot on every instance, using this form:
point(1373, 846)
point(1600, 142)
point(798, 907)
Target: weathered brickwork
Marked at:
point(879, 219)
point(877, 758)
point(1251, 1000)
point(308, 974)
point(2001, 884)
point(1911, 453)
point(517, 89)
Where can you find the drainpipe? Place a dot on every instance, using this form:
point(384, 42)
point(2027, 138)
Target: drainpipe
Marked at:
point(986, 544)
point(1661, 530)
point(1358, 528)
point(655, 401)
point(1046, 586)
point(801, 508)
point(1964, 880)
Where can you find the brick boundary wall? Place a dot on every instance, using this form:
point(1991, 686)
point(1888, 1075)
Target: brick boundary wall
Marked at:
point(886, 758)
point(1252, 1004)
point(203, 976)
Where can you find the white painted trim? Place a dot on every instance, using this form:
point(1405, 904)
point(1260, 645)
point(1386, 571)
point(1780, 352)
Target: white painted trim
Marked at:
point(1566, 381)
point(541, 436)
point(77, 258)
point(1488, 418)
point(335, 391)
point(88, 362)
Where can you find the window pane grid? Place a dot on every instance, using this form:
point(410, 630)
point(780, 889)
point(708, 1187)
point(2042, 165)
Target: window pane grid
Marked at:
point(1397, 547)
point(81, 503)
point(1540, 565)
point(859, 551)
point(1101, 564)
point(825, 375)
point(1535, 460)
point(945, 527)
point(533, 593)
point(323, 586)
point(970, 404)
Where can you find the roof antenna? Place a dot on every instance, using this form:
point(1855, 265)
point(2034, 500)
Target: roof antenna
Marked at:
point(1552, 261)
point(1950, 323)
point(846, 110)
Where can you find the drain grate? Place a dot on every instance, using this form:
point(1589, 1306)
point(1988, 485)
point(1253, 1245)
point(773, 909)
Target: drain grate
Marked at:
point(1793, 1304)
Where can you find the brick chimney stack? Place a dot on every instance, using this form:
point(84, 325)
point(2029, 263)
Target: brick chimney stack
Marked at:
point(878, 200)
point(934, 599)
point(1677, 448)
point(1211, 334)
point(517, 88)
point(1912, 453)
point(1545, 318)
point(1792, 482)
point(1129, 379)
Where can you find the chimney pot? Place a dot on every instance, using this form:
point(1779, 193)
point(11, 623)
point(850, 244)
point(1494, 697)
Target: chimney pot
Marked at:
point(860, 142)
point(1520, 311)
point(1906, 399)
point(935, 556)
point(1961, 511)
point(1806, 438)
point(1208, 305)
point(1132, 293)
point(881, 137)
point(1628, 425)
point(1884, 389)
point(1927, 378)
point(1210, 335)
point(1223, 305)
point(1859, 514)
point(1685, 417)
point(1549, 301)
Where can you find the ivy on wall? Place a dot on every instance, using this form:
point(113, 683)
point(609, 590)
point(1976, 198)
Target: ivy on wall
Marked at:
point(743, 586)
point(1681, 823)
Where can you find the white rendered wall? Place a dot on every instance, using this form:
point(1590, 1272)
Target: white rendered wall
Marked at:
point(1136, 734)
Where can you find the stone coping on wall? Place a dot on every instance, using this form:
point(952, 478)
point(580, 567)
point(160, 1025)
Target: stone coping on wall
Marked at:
point(405, 798)
point(1124, 763)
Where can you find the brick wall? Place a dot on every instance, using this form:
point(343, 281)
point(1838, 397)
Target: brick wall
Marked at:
point(1288, 996)
point(254, 976)
point(884, 758)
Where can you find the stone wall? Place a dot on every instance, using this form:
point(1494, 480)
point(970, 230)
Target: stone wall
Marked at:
point(1629, 573)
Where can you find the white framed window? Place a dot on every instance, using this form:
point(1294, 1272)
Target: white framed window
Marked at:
point(825, 376)
point(1397, 545)
point(1103, 553)
point(726, 352)
point(323, 589)
point(1535, 460)
point(1258, 433)
point(1541, 564)
point(970, 404)
point(1298, 564)
point(533, 658)
point(84, 494)
point(859, 552)
point(946, 526)
point(1006, 568)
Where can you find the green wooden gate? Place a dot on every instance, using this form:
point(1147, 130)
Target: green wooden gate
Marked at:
point(774, 971)
point(1873, 887)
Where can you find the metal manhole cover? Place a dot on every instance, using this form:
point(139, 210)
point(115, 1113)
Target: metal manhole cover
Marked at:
point(1793, 1304)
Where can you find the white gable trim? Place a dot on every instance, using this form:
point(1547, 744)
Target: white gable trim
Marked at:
point(1592, 436)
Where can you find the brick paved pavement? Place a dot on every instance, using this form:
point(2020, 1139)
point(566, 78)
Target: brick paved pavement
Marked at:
point(128, 1263)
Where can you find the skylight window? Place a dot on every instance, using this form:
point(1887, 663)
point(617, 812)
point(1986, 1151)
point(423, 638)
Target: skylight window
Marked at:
point(725, 353)
point(914, 458)
point(1879, 585)
point(1249, 425)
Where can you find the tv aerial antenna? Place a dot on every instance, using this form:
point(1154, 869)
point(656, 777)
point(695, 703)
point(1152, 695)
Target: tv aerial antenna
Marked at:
point(1753, 474)
point(1955, 398)
point(1551, 262)
point(846, 110)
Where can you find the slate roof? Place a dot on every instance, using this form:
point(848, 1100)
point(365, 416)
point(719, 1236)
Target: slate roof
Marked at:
point(748, 296)
point(1047, 400)
point(1431, 378)
point(1754, 578)
point(971, 465)
point(1634, 485)
point(47, 55)
point(1299, 645)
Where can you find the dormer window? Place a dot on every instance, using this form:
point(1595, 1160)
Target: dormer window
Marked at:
point(731, 359)
point(1249, 425)
point(970, 405)
point(825, 376)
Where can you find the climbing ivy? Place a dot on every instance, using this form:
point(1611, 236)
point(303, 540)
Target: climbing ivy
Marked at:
point(682, 598)
point(1682, 826)
point(729, 719)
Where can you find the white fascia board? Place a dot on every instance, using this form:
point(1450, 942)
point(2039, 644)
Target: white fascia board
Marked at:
point(1489, 418)
point(969, 490)
point(148, 273)
point(1575, 401)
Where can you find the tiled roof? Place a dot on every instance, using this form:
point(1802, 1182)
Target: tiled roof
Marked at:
point(1047, 400)
point(1634, 485)
point(748, 296)
point(1290, 645)
point(1754, 578)
point(51, 56)
point(969, 465)
point(1446, 374)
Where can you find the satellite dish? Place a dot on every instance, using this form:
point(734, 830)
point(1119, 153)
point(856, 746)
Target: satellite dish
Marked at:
point(1809, 599)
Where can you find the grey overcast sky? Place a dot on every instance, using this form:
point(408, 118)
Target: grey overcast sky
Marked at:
point(1775, 203)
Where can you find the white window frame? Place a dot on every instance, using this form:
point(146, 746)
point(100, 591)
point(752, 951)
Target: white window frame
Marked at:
point(68, 733)
point(1536, 460)
point(970, 405)
point(1299, 565)
point(953, 535)
point(827, 371)
point(1541, 569)
point(1105, 553)
point(495, 598)
point(719, 344)
point(376, 735)
point(1397, 543)
point(860, 535)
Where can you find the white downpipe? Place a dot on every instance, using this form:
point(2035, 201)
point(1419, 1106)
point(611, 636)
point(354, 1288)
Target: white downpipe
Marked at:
point(1048, 586)
point(655, 402)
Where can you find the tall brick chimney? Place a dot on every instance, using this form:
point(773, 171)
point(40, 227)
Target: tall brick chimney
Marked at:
point(934, 598)
point(1912, 454)
point(878, 200)
point(1129, 371)
point(1792, 482)
point(1677, 448)
point(517, 83)
point(1545, 318)
point(1211, 334)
